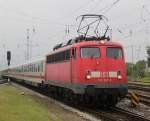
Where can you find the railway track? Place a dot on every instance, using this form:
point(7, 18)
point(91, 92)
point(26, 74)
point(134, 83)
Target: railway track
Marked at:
point(139, 87)
point(3, 81)
point(130, 115)
point(145, 99)
point(142, 91)
point(114, 114)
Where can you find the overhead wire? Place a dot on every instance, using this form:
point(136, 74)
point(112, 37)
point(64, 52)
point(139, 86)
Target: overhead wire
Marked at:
point(108, 7)
point(96, 6)
point(113, 4)
point(138, 23)
point(80, 7)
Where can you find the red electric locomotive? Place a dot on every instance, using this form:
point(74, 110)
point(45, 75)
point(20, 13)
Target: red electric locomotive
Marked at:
point(91, 68)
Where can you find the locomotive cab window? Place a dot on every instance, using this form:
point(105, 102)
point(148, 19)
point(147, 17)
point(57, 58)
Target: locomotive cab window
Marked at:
point(114, 52)
point(90, 52)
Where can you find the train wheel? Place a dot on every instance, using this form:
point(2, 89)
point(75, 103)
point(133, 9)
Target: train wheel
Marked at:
point(112, 101)
point(87, 99)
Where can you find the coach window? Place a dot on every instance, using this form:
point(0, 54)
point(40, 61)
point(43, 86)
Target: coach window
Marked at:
point(41, 66)
point(35, 67)
point(23, 68)
point(38, 68)
point(32, 68)
point(26, 68)
point(90, 52)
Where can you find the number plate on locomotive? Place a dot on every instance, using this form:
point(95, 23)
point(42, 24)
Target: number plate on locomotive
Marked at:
point(95, 74)
point(113, 74)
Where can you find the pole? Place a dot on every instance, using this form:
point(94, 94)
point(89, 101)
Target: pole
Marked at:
point(28, 45)
point(132, 55)
point(132, 63)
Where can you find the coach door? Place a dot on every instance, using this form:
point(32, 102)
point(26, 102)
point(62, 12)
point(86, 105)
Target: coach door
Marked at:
point(73, 64)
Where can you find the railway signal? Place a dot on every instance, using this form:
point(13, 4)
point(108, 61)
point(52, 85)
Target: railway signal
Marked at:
point(8, 57)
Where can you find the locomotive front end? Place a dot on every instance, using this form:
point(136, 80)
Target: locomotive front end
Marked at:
point(102, 70)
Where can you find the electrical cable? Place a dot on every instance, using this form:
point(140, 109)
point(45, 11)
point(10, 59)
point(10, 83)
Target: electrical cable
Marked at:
point(108, 7)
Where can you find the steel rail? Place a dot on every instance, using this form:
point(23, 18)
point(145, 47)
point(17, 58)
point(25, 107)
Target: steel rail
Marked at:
point(131, 114)
point(3, 81)
point(139, 87)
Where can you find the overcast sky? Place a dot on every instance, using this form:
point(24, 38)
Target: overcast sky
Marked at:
point(129, 20)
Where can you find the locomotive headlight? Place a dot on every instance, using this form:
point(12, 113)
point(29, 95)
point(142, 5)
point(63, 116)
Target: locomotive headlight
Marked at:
point(88, 75)
point(119, 77)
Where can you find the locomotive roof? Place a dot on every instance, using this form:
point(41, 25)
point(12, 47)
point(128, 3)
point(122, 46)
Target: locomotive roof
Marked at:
point(87, 43)
point(101, 43)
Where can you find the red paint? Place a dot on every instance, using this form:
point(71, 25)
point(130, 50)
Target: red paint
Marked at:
point(75, 70)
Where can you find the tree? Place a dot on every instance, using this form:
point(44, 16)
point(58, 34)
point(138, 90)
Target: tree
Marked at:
point(148, 58)
point(138, 70)
point(129, 68)
point(140, 67)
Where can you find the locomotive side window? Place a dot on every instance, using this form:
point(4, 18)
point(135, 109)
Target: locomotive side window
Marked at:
point(58, 57)
point(74, 53)
point(67, 55)
point(113, 52)
point(90, 52)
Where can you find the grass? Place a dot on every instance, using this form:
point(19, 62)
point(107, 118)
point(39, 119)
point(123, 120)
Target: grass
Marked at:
point(143, 81)
point(17, 107)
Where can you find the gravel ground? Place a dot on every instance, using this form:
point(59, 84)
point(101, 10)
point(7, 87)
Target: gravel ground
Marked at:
point(142, 109)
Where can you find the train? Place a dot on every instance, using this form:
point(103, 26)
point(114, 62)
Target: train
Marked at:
point(83, 69)
point(90, 68)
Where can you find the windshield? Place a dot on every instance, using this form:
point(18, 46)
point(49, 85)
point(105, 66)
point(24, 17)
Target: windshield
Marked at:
point(113, 52)
point(90, 52)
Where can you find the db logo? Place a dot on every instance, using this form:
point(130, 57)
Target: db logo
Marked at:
point(105, 74)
